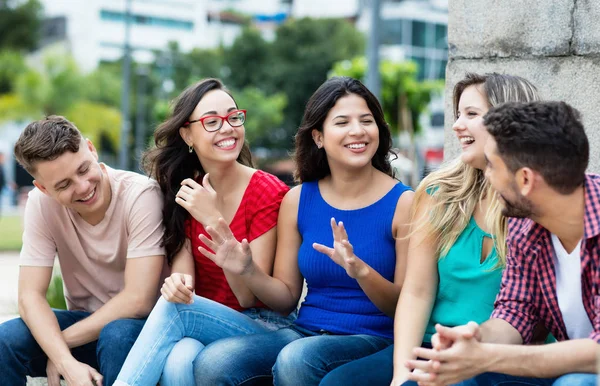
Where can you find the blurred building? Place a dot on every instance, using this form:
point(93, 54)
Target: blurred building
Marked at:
point(94, 30)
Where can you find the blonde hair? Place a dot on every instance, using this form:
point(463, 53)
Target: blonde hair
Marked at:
point(456, 188)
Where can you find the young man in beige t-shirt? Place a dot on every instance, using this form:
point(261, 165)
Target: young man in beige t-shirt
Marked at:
point(105, 226)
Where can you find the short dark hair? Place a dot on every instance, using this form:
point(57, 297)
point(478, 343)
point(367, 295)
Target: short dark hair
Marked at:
point(311, 161)
point(548, 137)
point(46, 140)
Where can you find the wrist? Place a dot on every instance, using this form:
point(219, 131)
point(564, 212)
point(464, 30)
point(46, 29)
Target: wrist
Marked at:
point(364, 270)
point(489, 358)
point(64, 363)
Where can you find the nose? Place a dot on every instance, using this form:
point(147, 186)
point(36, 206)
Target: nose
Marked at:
point(356, 128)
point(226, 127)
point(82, 186)
point(458, 124)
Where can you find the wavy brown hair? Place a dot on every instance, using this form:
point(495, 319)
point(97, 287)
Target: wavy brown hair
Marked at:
point(311, 162)
point(170, 162)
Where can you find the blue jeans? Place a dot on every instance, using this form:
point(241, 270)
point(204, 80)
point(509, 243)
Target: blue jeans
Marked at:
point(496, 379)
point(20, 355)
point(373, 370)
point(205, 321)
point(290, 356)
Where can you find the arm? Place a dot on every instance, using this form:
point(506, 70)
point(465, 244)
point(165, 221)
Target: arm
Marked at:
point(179, 286)
point(136, 300)
point(280, 292)
point(417, 296)
point(383, 293)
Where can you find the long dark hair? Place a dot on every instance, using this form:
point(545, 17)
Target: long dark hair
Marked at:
point(170, 162)
point(311, 162)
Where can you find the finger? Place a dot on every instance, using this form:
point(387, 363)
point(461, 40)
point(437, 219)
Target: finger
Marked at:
point(217, 237)
point(208, 242)
point(246, 247)
point(456, 333)
point(173, 295)
point(186, 189)
point(342, 231)
point(53, 379)
point(183, 203)
point(191, 183)
point(421, 365)
point(209, 255)
point(98, 378)
point(323, 249)
point(206, 184)
point(183, 195)
point(422, 377)
point(334, 229)
point(224, 229)
point(188, 281)
point(426, 353)
point(181, 288)
point(348, 247)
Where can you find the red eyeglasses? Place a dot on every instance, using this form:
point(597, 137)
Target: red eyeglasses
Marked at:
point(212, 123)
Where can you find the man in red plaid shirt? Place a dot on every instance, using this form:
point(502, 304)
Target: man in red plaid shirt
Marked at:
point(537, 156)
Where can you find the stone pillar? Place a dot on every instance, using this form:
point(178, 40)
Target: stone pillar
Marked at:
point(553, 43)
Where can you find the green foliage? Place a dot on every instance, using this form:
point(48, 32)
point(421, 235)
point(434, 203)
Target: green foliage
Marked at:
point(12, 233)
point(55, 294)
point(20, 24)
point(400, 89)
point(12, 65)
point(94, 120)
point(248, 60)
point(265, 115)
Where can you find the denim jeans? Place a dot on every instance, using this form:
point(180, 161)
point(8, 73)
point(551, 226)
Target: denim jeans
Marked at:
point(373, 370)
point(205, 321)
point(20, 355)
point(496, 379)
point(290, 356)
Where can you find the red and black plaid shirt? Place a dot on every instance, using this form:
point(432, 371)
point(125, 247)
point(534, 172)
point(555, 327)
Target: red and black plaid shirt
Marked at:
point(528, 292)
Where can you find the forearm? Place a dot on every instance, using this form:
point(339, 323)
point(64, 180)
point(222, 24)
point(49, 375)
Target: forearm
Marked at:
point(383, 293)
point(270, 290)
point(122, 306)
point(499, 331)
point(412, 314)
point(544, 361)
point(41, 321)
point(243, 294)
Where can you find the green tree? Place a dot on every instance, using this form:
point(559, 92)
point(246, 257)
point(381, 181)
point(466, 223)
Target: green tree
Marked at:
point(265, 116)
point(248, 60)
point(20, 24)
point(12, 65)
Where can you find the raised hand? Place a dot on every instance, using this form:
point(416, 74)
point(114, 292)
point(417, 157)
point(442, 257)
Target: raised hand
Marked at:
point(199, 200)
point(342, 252)
point(229, 254)
point(178, 288)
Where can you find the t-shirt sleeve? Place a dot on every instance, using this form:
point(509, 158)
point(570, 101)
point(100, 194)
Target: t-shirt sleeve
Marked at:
point(266, 206)
point(145, 227)
point(39, 248)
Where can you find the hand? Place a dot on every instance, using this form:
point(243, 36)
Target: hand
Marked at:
point(178, 288)
point(52, 374)
point(200, 200)
point(77, 374)
point(342, 252)
point(229, 254)
point(446, 336)
point(462, 360)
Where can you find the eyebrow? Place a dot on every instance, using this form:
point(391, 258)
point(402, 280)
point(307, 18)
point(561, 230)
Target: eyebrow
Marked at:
point(59, 183)
point(362, 116)
point(212, 112)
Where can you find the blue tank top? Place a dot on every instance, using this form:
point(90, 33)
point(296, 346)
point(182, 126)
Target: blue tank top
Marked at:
point(335, 302)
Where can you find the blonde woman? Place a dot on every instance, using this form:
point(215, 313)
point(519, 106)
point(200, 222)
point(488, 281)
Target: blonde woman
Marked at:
point(457, 245)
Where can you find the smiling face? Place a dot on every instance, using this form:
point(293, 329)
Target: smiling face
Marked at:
point(469, 128)
point(504, 182)
point(350, 135)
point(223, 145)
point(77, 181)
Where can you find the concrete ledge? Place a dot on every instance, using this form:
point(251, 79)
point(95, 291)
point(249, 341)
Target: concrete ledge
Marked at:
point(586, 37)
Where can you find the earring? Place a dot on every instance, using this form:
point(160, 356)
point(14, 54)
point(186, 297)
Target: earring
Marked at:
point(319, 145)
point(191, 149)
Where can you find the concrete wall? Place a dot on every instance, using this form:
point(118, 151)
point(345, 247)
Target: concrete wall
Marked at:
point(553, 43)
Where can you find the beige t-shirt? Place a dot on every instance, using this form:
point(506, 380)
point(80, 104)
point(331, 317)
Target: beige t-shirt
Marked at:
point(92, 257)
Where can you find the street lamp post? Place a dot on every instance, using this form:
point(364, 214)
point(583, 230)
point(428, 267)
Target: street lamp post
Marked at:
point(373, 79)
point(125, 124)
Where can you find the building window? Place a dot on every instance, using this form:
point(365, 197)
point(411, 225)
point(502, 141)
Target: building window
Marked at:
point(441, 36)
point(147, 20)
point(419, 38)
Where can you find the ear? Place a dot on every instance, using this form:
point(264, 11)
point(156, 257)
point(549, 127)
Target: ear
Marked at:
point(91, 148)
point(41, 187)
point(318, 138)
point(184, 132)
point(526, 180)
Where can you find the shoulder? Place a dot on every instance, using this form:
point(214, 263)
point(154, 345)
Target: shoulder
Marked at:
point(263, 181)
point(132, 185)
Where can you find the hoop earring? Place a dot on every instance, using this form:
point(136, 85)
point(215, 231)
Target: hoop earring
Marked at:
point(191, 150)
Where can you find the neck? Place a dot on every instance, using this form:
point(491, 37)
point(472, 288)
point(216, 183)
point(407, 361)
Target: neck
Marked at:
point(351, 183)
point(225, 175)
point(563, 215)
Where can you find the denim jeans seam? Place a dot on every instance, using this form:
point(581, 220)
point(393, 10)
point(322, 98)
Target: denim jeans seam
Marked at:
point(253, 378)
point(143, 366)
point(220, 321)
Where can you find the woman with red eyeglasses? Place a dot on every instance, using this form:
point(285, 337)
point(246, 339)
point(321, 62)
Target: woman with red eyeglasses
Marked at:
point(204, 168)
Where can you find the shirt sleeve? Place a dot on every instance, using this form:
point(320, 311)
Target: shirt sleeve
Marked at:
point(514, 304)
point(266, 207)
point(39, 248)
point(145, 224)
point(595, 335)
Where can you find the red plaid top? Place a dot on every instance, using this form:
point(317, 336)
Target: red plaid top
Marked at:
point(528, 291)
point(256, 215)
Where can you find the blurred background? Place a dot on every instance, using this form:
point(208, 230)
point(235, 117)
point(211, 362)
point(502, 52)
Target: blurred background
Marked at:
point(114, 66)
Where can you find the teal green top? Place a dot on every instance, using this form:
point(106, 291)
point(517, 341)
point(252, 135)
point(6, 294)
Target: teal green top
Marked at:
point(467, 287)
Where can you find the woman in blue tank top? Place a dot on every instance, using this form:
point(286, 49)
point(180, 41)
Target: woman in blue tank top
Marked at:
point(343, 230)
point(454, 264)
